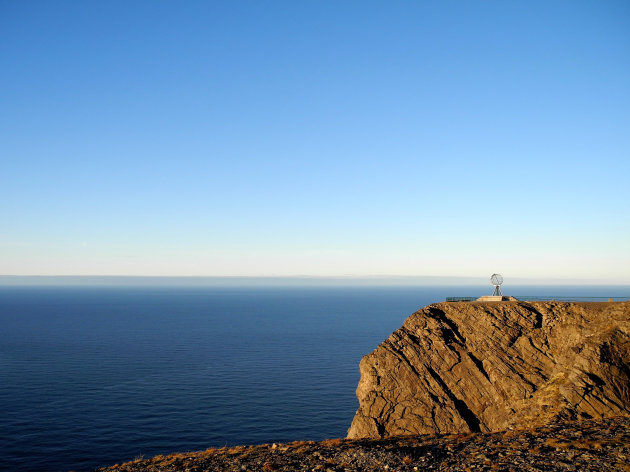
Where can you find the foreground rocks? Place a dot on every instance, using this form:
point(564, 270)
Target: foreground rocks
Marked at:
point(483, 366)
point(591, 445)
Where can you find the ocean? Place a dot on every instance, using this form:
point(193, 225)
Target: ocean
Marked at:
point(96, 375)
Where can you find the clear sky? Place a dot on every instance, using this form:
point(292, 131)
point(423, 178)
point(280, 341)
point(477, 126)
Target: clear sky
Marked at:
point(315, 138)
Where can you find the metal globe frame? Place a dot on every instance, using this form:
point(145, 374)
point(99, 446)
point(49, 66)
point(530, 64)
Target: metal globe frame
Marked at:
point(496, 280)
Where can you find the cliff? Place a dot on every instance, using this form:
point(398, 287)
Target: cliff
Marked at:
point(480, 367)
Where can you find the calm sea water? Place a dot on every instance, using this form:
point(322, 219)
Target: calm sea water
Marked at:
point(91, 376)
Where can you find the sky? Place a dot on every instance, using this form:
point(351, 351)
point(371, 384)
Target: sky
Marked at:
point(318, 138)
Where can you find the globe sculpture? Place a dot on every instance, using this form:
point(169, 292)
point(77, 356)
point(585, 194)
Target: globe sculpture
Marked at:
point(496, 280)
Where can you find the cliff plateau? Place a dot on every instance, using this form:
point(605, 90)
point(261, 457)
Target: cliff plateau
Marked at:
point(491, 366)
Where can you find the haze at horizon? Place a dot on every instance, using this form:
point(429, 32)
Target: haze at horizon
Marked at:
point(321, 138)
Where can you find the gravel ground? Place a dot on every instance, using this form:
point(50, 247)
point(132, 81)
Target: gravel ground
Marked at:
point(591, 445)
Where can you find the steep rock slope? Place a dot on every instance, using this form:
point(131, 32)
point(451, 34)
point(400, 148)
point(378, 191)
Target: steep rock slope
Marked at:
point(474, 366)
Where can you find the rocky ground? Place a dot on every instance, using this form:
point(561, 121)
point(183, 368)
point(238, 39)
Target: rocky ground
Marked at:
point(590, 445)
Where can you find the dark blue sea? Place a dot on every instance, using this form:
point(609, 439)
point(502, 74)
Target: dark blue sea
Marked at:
point(92, 376)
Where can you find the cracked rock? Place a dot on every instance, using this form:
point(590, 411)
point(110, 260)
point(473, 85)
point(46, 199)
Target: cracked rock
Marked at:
point(490, 366)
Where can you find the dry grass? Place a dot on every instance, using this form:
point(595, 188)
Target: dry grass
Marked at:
point(552, 442)
point(332, 442)
point(583, 444)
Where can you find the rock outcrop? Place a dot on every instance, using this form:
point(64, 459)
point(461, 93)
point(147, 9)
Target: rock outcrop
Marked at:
point(480, 367)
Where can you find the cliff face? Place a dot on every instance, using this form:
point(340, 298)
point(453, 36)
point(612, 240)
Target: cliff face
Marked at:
point(474, 366)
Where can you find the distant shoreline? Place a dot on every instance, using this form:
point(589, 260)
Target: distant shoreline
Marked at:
point(282, 281)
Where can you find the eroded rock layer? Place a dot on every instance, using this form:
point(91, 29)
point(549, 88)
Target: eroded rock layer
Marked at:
point(474, 366)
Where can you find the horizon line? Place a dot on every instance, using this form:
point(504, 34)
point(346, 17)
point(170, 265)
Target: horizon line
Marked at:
point(11, 279)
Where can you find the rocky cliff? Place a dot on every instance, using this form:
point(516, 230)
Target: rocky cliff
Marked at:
point(475, 366)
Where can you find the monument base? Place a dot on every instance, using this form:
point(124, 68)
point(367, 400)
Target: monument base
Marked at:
point(496, 298)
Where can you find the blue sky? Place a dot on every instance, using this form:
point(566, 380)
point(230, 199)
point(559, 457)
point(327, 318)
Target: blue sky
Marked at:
point(315, 138)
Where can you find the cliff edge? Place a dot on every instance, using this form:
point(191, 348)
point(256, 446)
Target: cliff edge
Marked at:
point(483, 366)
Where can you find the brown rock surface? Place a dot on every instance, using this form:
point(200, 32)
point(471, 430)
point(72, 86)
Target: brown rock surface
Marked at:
point(483, 366)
